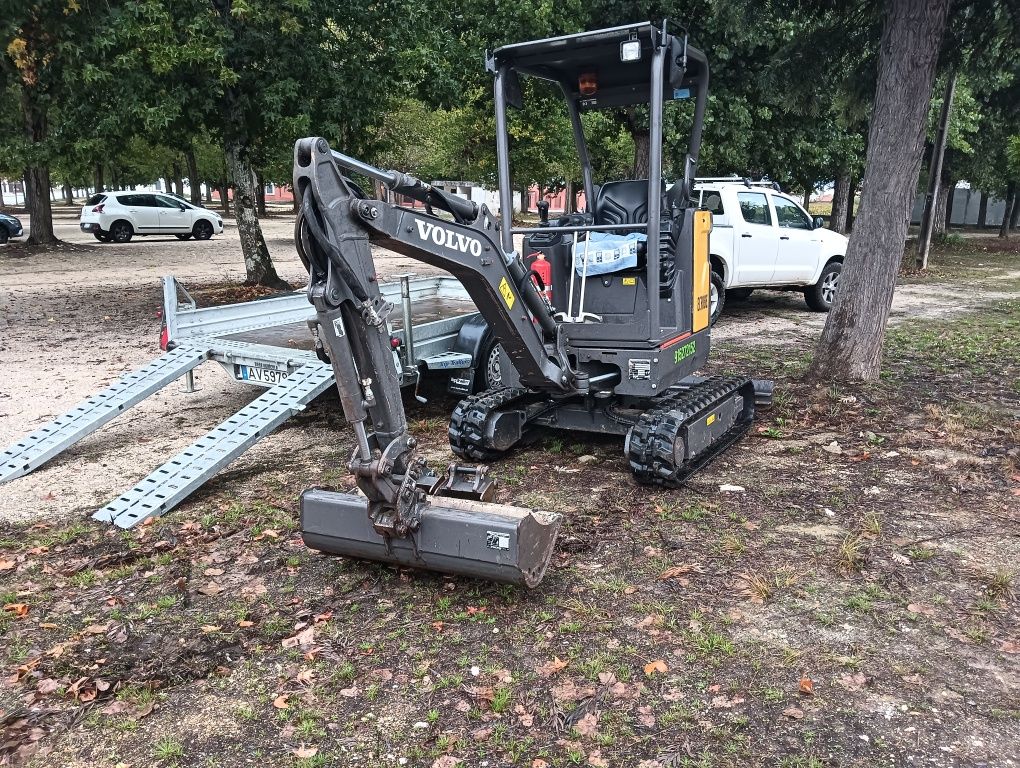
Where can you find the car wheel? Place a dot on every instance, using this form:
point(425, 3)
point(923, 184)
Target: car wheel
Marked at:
point(103, 237)
point(490, 375)
point(203, 230)
point(185, 236)
point(820, 296)
point(716, 298)
point(4, 235)
point(121, 231)
point(739, 294)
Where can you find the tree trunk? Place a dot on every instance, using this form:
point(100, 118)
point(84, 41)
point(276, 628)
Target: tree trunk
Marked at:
point(1007, 212)
point(808, 191)
point(193, 183)
point(982, 210)
point(840, 198)
point(950, 202)
point(933, 216)
point(37, 176)
point(568, 198)
point(178, 181)
point(941, 223)
point(641, 147)
point(208, 193)
point(97, 177)
point(225, 197)
point(851, 343)
point(851, 206)
point(260, 195)
point(525, 200)
point(68, 195)
point(258, 264)
point(1014, 218)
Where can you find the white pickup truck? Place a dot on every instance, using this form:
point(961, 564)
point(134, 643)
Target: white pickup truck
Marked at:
point(762, 238)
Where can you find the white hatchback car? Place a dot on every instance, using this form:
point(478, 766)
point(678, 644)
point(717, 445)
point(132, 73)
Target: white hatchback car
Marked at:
point(119, 216)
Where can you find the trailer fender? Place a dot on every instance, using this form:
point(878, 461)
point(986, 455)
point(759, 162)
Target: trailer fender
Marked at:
point(473, 339)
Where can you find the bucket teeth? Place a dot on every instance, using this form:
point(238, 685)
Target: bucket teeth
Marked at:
point(511, 545)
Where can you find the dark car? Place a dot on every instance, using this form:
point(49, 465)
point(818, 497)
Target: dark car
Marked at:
point(9, 227)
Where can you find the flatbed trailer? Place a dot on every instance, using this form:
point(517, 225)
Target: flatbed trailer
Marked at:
point(265, 343)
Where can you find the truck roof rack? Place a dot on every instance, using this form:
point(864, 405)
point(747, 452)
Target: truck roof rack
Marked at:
point(747, 182)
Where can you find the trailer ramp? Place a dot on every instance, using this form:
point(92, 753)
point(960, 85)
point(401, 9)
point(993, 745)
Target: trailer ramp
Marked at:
point(170, 484)
point(36, 449)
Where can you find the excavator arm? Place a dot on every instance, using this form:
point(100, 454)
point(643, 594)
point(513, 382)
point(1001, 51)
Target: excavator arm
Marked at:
point(407, 514)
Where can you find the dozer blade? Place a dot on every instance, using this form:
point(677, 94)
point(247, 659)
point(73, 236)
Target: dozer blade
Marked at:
point(497, 542)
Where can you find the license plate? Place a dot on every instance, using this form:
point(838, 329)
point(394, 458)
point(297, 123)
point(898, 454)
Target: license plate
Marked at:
point(259, 375)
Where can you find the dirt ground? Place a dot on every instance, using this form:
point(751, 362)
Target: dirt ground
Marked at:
point(854, 604)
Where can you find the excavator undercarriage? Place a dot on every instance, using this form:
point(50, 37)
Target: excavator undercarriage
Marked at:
point(606, 349)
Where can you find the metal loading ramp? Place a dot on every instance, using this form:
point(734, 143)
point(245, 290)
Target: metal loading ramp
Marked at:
point(170, 484)
point(36, 449)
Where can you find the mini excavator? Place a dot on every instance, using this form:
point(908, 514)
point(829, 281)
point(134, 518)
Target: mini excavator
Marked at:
point(596, 343)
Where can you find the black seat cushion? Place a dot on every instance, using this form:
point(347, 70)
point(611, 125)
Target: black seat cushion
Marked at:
point(622, 202)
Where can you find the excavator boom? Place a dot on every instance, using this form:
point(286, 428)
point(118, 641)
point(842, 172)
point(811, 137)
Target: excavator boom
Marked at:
point(406, 514)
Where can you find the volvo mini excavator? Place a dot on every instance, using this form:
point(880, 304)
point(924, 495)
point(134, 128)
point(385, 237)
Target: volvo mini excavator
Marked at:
point(612, 352)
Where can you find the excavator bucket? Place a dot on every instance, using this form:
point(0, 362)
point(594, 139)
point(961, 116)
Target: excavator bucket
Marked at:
point(512, 545)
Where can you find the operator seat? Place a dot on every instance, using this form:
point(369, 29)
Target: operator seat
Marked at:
point(626, 202)
point(622, 202)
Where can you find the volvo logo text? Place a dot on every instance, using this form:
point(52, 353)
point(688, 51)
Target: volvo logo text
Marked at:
point(441, 236)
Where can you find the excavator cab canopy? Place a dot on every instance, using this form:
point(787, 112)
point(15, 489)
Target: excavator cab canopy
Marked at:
point(607, 67)
point(634, 64)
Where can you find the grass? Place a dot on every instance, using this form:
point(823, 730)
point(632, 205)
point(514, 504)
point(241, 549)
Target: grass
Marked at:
point(982, 343)
point(169, 749)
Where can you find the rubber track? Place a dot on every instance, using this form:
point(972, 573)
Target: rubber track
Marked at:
point(467, 424)
point(652, 439)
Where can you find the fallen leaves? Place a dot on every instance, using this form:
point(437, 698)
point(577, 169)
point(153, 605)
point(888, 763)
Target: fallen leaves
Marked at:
point(17, 609)
point(806, 686)
point(305, 753)
point(305, 637)
point(921, 608)
point(1010, 646)
point(794, 713)
point(446, 761)
point(854, 682)
point(588, 725)
point(8, 565)
point(550, 668)
point(656, 667)
point(282, 701)
point(211, 589)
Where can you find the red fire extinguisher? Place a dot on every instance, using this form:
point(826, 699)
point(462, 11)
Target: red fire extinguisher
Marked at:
point(543, 276)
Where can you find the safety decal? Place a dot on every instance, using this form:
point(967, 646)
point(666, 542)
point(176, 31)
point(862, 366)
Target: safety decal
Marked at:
point(506, 292)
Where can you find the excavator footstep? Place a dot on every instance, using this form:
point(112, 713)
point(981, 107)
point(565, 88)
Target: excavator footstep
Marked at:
point(512, 545)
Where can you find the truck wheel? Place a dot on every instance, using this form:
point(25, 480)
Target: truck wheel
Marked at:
point(716, 298)
point(121, 231)
point(739, 294)
point(4, 235)
point(183, 236)
point(103, 237)
point(489, 375)
point(820, 296)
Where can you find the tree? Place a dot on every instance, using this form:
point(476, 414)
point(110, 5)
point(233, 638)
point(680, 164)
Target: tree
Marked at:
point(39, 40)
point(851, 343)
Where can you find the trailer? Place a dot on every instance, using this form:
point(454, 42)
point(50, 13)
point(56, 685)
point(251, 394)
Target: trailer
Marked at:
point(265, 343)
